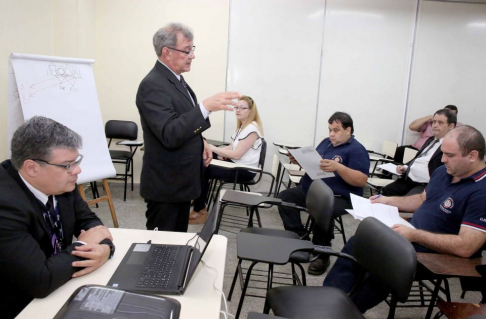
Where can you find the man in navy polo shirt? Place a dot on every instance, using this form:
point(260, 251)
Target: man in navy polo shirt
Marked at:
point(450, 215)
point(342, 154)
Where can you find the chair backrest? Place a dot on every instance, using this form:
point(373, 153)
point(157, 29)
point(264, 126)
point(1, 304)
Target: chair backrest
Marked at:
point(409, 154)
point(320, 204)
point(261, 161)
point(389, 148)
point(263, 154)
point(386, 255)
point(126, 130)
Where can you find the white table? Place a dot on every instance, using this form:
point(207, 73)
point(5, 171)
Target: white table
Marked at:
point(200, 299)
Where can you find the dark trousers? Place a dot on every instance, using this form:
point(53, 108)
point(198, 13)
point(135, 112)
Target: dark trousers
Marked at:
point(345, 275)
point(218, 173)
point(167, 216)
point(403, 187)
point(291, 216)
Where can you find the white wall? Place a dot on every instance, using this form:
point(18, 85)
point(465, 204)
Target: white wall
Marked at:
point(299, 60)
point(449, 64)
point(47, 27)
point(125, 54)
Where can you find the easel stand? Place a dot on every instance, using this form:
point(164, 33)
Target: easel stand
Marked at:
point(107, 197)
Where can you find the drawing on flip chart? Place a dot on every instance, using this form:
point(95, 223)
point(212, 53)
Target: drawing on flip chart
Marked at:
point(62, 76)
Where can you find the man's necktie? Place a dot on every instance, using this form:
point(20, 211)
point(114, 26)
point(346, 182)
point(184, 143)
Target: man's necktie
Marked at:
point(189, 90)
point(53, 219)
point(431, 145)
point(184, 83)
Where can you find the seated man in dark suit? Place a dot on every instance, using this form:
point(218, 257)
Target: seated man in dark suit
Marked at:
point(416, 174)
point(40, 211)
point(449, 218)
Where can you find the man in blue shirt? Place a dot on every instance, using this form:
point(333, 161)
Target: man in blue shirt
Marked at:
point(342, 154)
point(450, 215)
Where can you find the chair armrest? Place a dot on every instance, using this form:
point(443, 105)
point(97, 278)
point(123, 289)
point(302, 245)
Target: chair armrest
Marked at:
point(271, 184)
point(292, 205)
point(230, 165)
point(255, 315)
point(244, 198)
point(130, 143)
point(327, 250)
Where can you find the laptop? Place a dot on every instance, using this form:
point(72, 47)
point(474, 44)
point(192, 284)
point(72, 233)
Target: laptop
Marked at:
point(163, 269)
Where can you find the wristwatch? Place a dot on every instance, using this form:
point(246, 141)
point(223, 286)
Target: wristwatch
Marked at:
point(110, 244)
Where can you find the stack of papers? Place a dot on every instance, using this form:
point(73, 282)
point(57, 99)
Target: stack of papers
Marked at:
point(309, 159)
point(388, 215)
point(392, 168)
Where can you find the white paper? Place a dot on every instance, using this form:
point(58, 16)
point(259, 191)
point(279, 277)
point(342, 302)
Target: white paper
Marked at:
point(310, 160)
point(388, 215)
point(389, 167)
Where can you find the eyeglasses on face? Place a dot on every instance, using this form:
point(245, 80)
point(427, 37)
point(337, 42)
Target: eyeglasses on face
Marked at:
point(241, 108)
point(186, 52)
point(69, 167)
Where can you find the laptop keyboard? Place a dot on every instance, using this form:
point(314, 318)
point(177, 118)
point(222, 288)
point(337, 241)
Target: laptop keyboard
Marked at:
point(158, 272)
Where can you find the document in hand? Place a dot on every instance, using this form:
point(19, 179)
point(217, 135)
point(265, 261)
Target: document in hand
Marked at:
point(388, 215)
point(392, 168)
point(309, 159)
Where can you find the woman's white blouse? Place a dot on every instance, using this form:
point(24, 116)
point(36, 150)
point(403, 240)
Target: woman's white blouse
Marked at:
point(252, 156)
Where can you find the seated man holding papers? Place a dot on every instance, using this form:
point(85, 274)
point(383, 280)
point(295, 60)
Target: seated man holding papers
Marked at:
point(40, 211)
point(349, 161)
point(416, 174)
point(450, 215)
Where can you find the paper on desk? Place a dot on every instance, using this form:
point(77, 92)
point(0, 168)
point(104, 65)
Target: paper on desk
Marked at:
point(388, 215)
point(389, 167)
point(309, 159)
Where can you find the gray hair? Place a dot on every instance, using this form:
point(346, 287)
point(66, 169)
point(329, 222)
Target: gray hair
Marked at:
point(469, 139)
point(167, 36)
point(38, 137)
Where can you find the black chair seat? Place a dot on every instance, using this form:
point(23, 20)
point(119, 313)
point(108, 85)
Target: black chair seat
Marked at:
point(298, 256)
point(318, 302)
point(120, 155)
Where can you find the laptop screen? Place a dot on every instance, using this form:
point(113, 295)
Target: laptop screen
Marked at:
point(203, 241)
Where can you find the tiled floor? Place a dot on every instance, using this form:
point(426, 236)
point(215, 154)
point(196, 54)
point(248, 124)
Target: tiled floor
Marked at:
point(131, 214)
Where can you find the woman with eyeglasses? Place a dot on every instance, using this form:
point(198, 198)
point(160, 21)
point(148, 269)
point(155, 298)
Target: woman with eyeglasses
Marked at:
point(244, 149)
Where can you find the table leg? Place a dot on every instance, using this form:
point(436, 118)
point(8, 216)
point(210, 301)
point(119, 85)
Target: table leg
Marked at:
point(433, 298)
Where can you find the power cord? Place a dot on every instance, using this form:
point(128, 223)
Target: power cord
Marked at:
point(225, 312)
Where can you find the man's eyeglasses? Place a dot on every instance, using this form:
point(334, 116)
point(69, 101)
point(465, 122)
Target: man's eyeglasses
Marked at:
point(69, 167)
point(186, 52)
point(241, 108)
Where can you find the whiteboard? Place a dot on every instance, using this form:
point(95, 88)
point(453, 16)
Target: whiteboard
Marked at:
point(64, 90)
point(365, 66)
point(449, 66)
point(274, 57)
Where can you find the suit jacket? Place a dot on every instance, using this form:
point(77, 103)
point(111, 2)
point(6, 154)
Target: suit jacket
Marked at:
point(435, 160)
point(27, 269)
point(172, 127)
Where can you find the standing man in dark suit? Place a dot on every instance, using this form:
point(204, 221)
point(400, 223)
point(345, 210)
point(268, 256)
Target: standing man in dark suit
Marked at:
point(416, 174)
point(172, 123)
point(40, 211)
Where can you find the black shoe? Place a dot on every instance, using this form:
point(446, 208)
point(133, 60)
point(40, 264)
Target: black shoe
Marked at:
point(319, 266)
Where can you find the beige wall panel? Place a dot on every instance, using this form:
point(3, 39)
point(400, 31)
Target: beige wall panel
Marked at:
point(124, 53)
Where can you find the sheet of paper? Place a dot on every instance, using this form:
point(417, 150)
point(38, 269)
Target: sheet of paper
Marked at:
point(309, 159)
point(389, 167)
point(388, 215)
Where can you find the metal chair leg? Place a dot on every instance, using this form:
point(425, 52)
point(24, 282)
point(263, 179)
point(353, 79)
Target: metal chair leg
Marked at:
point(245, 287)
point(233, 283)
